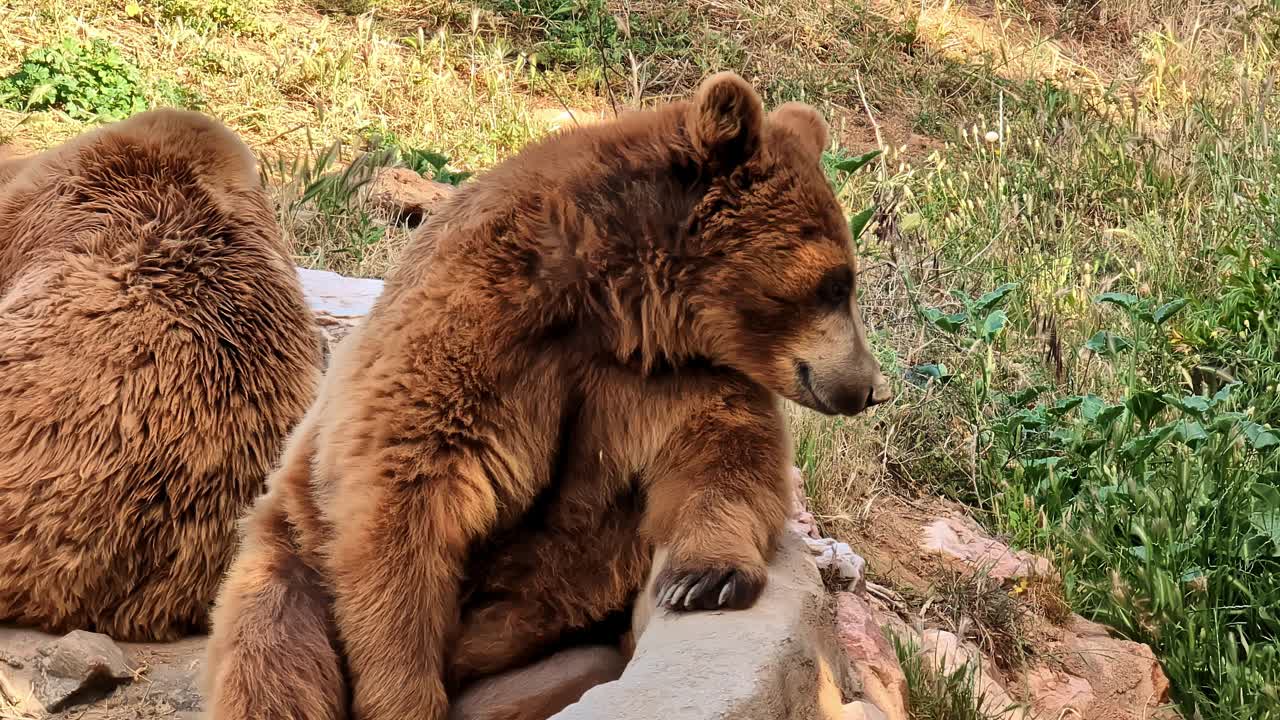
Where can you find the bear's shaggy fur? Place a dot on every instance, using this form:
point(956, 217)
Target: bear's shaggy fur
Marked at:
point(578, 359)
point(155, 351)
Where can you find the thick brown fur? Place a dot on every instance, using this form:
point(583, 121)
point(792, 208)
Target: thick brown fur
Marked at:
point(155, 351)
point(579, 358)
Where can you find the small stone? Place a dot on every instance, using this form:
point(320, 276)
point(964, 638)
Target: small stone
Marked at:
point(78, 668)
point(853, 570)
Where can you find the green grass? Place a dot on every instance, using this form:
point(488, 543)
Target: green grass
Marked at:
point(1116, 407)
point(1134, 152)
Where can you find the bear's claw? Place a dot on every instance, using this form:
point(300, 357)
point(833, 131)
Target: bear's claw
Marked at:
point(707, 589)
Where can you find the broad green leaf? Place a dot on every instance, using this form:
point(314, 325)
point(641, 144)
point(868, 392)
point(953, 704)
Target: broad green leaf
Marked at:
point(1108, 415)
point(1066, 405)
point(1224, 393)
point(1140, 448)
point(1168, 310)
point(1267, 523)
point(1189, 432)
point(1268, 495)
point(1022, 397)
point(853, 165)
point(1107, 344)
point(1124, 300)
point(1196, 405)
point(1090, 406)
point(1228, 421)
point(952, 323)
point(40, 92)
point(922, 375)
point(858, 222)
point(994, 323)
point(1031, 419)
point(1145, 405)
point(1260, 437)
point(993, 298)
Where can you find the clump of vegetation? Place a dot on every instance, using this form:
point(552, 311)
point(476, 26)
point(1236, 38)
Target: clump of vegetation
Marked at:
point(86, 81)
point(322, 203)
point(934, 695)
point(1144, 459)
point(974, 605)
point(427, 163)
point(1165, 504)
point(232, 16)
point(346, 7)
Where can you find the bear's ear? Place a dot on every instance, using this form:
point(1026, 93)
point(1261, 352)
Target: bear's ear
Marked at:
point(726, 119)
point(807, 124)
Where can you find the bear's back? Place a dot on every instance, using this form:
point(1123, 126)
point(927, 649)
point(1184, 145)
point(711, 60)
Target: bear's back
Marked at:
point(156, 349)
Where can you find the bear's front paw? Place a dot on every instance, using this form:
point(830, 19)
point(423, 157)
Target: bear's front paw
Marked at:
point(708, 588)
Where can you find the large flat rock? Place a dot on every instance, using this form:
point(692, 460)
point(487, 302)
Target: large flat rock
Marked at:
point(775, 661)
point(337, 295)
point(339, 302)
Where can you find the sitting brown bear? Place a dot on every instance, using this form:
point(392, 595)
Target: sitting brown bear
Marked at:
point(579, 358)
point(155, 351)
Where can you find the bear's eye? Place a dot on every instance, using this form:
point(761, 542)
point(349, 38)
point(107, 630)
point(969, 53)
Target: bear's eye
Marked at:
point(835, 287)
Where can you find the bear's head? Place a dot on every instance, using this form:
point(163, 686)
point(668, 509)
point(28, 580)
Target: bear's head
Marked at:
point(777, 299)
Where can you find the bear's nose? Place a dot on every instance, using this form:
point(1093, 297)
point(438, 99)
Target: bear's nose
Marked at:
point(881, 391)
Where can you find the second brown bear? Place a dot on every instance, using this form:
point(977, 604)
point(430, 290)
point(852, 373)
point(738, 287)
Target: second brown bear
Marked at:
point(580, 358)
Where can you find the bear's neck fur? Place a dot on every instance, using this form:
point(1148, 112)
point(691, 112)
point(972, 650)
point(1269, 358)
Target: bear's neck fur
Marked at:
point(588, 237)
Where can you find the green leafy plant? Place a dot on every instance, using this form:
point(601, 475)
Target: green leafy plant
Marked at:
point(87, 82)
point(1165, 505)
point(427, 163)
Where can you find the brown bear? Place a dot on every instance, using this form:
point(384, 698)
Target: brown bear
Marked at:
point(155, 351)
point(579, 358)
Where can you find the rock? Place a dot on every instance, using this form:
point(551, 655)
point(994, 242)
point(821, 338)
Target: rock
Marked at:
point(802, 521)
point(777, 660)
point(1057, 694)
point(963, 545)
point(543, 688)
point(1124, 679)
point(160, 679)
point(338, 302)
point(560, 118)
point(862, 710)
point(405, 195)
point(949, 655)
point(79, 668)
point(1090, 674)
point(874, 660)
